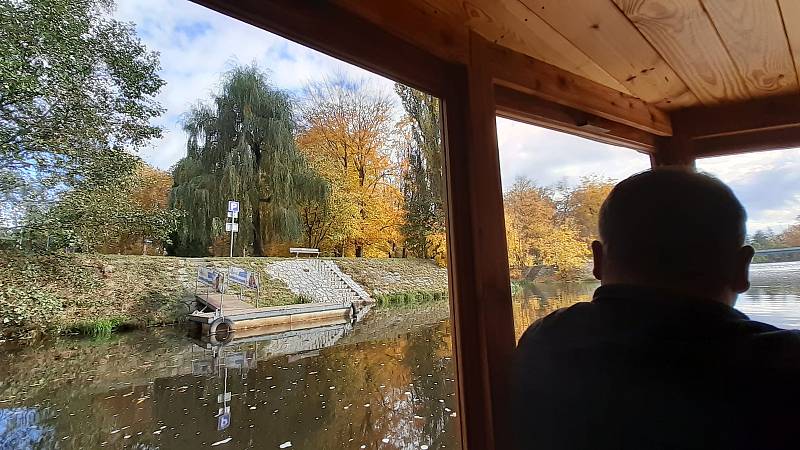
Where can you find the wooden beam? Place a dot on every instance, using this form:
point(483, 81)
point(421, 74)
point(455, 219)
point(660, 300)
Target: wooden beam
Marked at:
point(516, 105)
point(437, 27)
point(330, 29)
point(673, 151)
point(483, 326)
point(754, 141)
point(523, 73)
point(768, 123)
point(762, 114)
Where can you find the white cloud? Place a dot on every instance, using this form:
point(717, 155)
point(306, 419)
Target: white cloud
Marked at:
point(767, 184)
point(197, 45)
point(549, 157)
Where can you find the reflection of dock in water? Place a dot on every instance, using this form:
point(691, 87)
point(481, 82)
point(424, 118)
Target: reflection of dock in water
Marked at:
point(285, 340)
point(245, 350)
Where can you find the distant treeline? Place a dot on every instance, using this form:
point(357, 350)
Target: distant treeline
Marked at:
point(768, 239)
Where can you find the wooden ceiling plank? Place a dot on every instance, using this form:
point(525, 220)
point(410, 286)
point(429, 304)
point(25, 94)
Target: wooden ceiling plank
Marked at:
point(683, 34)
point(510, 24)
point(606, 36)
point(529, 75)
point(752, 32)
point(790, 12)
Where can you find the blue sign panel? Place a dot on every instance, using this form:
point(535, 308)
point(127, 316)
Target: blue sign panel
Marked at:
point(223, 421)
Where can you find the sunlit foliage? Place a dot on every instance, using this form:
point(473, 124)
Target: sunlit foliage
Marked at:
point(346, 136)
point(77, 91)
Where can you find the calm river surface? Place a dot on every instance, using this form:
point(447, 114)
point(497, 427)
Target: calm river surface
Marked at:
point(386, 383)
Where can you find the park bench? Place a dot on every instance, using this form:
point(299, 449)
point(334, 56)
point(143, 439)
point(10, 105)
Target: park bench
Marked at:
point(303, 251)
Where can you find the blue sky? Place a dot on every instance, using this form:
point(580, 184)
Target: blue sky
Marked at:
point(197, 45)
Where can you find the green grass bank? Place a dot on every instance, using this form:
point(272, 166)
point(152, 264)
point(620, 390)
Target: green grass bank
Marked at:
point(98, 294)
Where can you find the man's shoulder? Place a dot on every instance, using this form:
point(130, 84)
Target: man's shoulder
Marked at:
point(560, 318)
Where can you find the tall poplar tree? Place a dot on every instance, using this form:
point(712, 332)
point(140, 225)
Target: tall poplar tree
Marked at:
point(241, 147)
point(423, 182)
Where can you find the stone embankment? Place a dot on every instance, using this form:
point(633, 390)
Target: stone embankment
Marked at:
point(95, 294)
point(317, 280)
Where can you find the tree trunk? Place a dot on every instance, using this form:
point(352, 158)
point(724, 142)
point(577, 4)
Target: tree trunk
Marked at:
point(258, 243)
point(359, 250)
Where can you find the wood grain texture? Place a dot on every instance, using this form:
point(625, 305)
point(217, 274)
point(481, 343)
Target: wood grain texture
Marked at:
point(752, 32)
point(529, 75)
point(768, 113)
point(683, 34)
point(516, 105)
point(420, 22)
point(790, 12)
point(510, 24)
point(606, 36)
point(754, 141)
point(483, 321)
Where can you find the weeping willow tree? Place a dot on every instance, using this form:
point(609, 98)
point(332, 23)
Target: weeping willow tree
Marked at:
point(241, 147)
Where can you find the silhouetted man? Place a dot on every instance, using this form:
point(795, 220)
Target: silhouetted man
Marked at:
point(660, 359)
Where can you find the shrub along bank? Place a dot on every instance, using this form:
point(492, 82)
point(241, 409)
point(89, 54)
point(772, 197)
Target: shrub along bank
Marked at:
point(98, 294)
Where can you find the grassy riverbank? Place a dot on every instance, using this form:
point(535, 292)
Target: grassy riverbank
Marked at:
point(98, 294)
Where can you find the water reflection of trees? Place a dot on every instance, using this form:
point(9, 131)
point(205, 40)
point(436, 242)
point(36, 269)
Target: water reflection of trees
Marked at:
point(142, 386)
point(532, 301)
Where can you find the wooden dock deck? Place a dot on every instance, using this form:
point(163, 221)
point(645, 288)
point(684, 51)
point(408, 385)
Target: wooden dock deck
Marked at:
point(243, 315)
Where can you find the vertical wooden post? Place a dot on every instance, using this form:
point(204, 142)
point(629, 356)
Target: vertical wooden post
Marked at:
point(483, 326)
point(675, 150)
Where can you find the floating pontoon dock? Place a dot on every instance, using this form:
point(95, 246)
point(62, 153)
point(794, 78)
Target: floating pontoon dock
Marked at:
point(244, 315)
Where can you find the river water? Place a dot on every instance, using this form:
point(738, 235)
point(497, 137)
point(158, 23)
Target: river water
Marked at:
point(385, 383)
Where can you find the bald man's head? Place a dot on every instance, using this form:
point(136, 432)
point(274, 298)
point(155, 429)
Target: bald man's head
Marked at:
point(673, 228)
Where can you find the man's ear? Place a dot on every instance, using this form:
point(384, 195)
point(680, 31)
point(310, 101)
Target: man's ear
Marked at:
point(741, 276)
point(597, 258)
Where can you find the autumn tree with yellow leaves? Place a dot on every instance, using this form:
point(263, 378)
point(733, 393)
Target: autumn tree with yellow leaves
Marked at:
point(346, 135)
point(582, 203)
point(552, 226)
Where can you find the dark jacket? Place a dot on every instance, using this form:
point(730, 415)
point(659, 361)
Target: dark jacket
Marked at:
point(640, 369)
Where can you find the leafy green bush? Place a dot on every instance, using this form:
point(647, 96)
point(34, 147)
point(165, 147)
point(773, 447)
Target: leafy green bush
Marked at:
point(21, 307)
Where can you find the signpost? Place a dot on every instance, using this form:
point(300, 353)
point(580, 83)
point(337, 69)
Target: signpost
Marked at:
point(232, 226)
